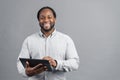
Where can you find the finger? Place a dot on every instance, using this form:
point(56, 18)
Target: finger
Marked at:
point(27, 64)
point(49, 58)
point(45, 68)
point(37, 66)
point(45, 58)
point(40, 70)
point(50, 62)
point(53, 63)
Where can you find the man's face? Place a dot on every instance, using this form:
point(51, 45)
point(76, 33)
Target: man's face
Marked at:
point(46, 20)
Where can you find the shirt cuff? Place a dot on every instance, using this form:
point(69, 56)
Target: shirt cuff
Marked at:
point(59, 65)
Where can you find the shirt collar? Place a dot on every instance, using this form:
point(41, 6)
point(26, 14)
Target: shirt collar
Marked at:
point(51, 35)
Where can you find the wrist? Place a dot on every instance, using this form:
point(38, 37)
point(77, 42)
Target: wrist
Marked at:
point(55, 64)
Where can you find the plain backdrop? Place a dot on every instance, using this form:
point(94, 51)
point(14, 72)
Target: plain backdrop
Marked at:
point(94, 25)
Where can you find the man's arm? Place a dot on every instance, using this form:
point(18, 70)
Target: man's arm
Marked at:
point(23, 54)
point(28, 71)
point(71, 62)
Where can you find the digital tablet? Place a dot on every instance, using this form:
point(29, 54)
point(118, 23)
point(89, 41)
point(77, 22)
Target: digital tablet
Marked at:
point(34, 62)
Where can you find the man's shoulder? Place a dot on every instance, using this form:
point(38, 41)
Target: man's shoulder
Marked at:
point(34, 35)
point(63, 35)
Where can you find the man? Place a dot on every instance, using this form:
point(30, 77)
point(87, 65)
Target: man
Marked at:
point(51, 45)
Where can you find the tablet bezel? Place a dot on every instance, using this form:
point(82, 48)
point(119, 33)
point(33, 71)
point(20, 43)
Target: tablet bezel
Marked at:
point(34, 62)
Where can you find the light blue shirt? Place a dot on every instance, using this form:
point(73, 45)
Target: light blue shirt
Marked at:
point(59, 46)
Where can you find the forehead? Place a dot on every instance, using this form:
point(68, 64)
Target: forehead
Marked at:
point(46, 12)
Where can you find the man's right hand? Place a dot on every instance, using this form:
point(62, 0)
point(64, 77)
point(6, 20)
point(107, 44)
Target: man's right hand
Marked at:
point(30, 71)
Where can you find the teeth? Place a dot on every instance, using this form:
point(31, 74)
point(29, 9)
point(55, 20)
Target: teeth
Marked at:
point(46, 24)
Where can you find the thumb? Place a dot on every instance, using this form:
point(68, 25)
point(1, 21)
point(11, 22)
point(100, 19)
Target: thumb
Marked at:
point(27, 64)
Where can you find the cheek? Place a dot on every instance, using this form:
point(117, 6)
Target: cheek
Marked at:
point(40, 21)
point(53, 21)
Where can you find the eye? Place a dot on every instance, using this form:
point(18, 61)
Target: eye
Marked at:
point(49, 17)
point(41, 17)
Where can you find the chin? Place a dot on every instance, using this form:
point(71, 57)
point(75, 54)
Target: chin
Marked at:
point(47, 29)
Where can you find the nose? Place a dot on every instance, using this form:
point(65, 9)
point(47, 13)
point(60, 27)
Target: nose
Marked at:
point(46, 20)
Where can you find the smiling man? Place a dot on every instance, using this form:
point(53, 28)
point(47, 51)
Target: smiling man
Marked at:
point(51, 45)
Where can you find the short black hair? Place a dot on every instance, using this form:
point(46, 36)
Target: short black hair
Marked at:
point(54, 13)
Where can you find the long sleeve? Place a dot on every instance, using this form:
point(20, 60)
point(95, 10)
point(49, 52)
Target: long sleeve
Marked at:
point(71, 62)
point(24, 54)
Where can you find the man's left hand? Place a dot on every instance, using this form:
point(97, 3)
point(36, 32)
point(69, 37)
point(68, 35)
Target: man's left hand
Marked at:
point(51, 61)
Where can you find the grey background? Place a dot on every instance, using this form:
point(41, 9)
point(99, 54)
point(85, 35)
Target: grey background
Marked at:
point(94, 25)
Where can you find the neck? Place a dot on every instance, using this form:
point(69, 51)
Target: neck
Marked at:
point(47, 33)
